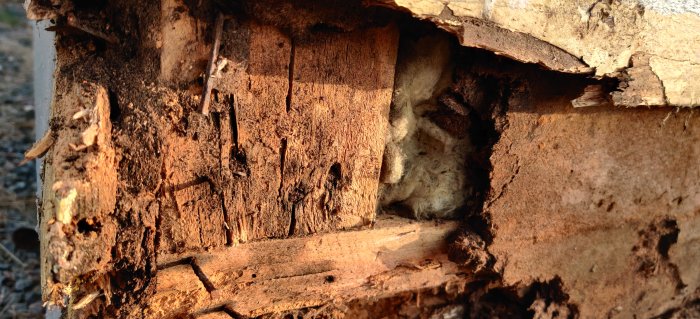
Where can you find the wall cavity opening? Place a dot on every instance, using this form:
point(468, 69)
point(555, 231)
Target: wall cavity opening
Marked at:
point(447, 113)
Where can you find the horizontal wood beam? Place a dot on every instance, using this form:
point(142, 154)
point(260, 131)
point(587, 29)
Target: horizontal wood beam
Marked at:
point(394, 256)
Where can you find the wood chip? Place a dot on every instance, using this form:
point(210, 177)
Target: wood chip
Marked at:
point(89, 136)
point(39, 148)
point(86, 300)
point(593, 95)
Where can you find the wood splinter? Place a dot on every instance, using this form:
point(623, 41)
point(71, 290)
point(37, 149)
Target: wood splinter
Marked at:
point(39, 148)
point(212, 66)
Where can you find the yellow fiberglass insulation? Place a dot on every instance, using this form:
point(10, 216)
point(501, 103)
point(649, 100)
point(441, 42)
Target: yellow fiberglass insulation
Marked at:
point(424, 166)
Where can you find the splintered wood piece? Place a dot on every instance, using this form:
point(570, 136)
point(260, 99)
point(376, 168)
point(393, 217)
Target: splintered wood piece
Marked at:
point(592, 95)
point(398, 255)
point(211, 67)
point(39, 148)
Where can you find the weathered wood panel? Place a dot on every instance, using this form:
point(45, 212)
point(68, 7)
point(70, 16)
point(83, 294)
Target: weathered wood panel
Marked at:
point(604, 36)
point(338, 112)
point(302, 128)
point(251, 279)
point(586, 198)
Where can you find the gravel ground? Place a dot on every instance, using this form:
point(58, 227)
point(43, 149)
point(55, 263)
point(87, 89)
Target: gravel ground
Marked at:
point(20, 295)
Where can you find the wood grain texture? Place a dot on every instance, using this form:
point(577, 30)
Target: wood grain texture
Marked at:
point(397, 255)
point(339, 108)
point(80, 193)
point(253, 126)
point(302, 131)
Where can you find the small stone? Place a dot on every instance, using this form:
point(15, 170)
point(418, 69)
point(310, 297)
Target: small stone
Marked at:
point(21, 185)
point(32, 296)
point(23, 284)
point(19, 308)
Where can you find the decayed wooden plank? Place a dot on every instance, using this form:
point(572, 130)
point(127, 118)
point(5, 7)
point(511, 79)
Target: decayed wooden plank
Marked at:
point(339, 106)
point(192, 216)
point(80, 192)
point(303, 132)
point(396, 255)
point(179, 291)
point(257, 83)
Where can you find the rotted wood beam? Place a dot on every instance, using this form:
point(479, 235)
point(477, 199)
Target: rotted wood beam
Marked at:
point(394, 256)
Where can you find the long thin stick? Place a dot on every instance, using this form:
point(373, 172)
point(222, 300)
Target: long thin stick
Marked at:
point(12, 256)
point(211, 67)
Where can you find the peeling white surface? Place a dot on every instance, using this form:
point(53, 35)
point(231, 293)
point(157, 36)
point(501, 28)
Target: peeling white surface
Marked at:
point(488, 8)
point(669, 7)
point(518, 4)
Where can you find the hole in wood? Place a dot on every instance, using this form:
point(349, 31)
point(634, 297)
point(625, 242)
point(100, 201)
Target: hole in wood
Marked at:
point(87, 226)
point(441, 129)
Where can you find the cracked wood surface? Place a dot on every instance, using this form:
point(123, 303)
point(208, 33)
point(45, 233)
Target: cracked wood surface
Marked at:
point(295, 154)
point(396, 255)
point(80, 188)
point(312, 155)
point(574, 197)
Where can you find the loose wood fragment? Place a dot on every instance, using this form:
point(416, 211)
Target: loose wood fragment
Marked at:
point(39, 148)
point(271, 276)
point(86, 300)
point(73, 22)
point(640, 85)
point(592, 95)
point(516, 45)
point(212, 67)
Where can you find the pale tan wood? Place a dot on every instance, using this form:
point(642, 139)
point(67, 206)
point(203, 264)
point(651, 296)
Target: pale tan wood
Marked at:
point(182, 50)
point(396, 255)
point(80, 189)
